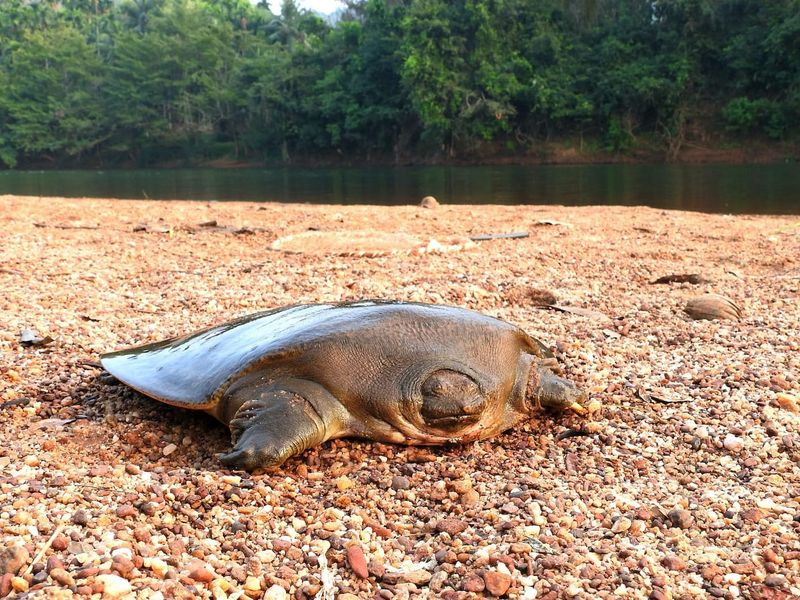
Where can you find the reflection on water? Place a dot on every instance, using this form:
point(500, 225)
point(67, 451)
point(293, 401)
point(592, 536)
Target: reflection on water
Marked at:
point(709, 188)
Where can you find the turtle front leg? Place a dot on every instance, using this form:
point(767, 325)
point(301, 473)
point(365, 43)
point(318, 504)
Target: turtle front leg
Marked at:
point(275, 422)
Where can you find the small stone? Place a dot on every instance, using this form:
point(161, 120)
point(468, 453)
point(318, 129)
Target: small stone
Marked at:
point(13, 559)
point(429, 202)
point(357, 561)
point(418, 577)
point(497, 583)
point(400, 483)
point(159, 567)
point(169, 449)
point(788, 402)
point(345, 596)
point(252, 584)
point(344, 483)
point(437, 581)
point(520, 548)
point(18, 584)
point(470, 498)
point(772, 557)
point(774, 580)
point(621, 525)
point(473, 583)
point(276, 592)
point(5, 584)
point(674, 563)
point(679, 517)
point(746, 568)
point(60, 543)
point(201, 574)
point(126, 510)
point(752, 515)
point(376, 567)
point(53, 563)
point(462, 486)
point(451, 526)
point(142, 534)
point(114, 585)
point(80, 517)
point(62, 577)
point(733, 443)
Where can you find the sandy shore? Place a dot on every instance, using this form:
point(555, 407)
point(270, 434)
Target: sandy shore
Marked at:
point(685, 484)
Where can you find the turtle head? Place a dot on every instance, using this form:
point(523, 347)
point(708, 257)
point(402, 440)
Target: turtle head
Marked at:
point(548, 390)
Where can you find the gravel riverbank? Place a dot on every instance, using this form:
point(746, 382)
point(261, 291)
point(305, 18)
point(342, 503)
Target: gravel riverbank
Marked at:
point(684, 484)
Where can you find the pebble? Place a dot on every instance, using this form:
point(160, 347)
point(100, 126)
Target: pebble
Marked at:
point(344, 483)
point(5, 584)
point(252, 584)
point(733, 443)
point(13, 559)
point(114, 585)
point(470, 498)
point(126, 510)
point(679, 517)
point(788, 402)
point(357, 561)
point(18, 584)
point(451, 526)
point(752, 515)
point(473, 583)
point(400, 483)
point(276, 592)
point(60, 543)
point(80, 517)
point(497, 583)
point(773, 580)
point(621, 525)
point(169, 449)
point(674, 563)
point(201, 574)
point(53, 562)
point(62, 577)
point(429, 202)
point(417, 577)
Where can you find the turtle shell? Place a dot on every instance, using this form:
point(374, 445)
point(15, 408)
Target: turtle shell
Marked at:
point(195, 371)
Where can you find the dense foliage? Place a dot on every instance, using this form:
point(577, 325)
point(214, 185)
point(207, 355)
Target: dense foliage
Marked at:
point(166, 81)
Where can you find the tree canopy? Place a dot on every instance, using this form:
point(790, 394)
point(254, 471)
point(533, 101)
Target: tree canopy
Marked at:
point(138, 82)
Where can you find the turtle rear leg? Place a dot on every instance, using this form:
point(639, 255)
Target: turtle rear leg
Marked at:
point(277, 421)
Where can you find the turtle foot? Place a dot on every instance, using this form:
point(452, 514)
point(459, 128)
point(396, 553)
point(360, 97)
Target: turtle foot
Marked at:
point(271, 425)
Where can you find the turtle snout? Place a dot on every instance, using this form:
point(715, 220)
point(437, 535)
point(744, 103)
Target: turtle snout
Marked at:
point(556, 392)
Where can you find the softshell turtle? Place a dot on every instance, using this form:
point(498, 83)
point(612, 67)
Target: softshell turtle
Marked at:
point(287, 379)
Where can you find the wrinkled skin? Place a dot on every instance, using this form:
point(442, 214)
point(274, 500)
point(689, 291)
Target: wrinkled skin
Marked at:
point(289, 379)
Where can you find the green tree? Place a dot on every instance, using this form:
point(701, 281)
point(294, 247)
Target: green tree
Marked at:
point(50, 97)
point(169, 88)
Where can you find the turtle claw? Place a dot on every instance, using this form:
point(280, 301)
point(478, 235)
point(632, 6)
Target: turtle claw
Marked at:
point(255, 451)
point(243, 459)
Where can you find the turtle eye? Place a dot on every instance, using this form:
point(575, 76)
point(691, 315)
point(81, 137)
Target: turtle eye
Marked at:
point(450, 398)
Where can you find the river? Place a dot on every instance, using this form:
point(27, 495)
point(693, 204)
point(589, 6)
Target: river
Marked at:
point(758, 189)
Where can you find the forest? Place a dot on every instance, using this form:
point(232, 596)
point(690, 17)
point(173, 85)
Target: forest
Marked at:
point(184, 82)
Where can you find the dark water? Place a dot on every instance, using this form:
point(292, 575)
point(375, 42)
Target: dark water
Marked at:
point(708, 188)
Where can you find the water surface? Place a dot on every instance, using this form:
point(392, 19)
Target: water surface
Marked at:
point(709, 188)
